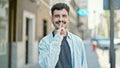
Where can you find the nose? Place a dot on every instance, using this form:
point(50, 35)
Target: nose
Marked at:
point(61, 18)
point(60, 22)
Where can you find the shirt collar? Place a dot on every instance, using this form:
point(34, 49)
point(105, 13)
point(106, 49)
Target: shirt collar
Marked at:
point(69, 35)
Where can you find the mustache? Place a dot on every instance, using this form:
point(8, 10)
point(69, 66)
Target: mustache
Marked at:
point(61, 21)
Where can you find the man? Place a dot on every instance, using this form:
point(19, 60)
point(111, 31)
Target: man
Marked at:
point(60, 48)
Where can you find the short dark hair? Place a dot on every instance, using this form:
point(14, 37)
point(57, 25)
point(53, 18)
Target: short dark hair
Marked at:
point(60, 6)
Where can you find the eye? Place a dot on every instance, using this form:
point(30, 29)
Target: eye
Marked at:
point(64, 15)
point(56, 15)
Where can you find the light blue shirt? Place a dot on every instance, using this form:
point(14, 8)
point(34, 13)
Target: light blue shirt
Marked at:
point(49, 50)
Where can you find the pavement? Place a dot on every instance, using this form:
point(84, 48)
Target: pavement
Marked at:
point(117, 58)
point(103, 56)
point(92, 57)
point(32, 66)
point(100, 58)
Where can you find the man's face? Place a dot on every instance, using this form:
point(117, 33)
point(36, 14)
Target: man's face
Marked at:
point(60, 18)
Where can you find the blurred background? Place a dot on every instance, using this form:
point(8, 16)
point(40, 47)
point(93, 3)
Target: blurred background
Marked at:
point(24, 22)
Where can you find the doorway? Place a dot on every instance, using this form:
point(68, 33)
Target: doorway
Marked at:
point(44, 27)
point(28, 36)
point(27, 40)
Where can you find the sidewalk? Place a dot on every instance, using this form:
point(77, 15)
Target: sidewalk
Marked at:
point(103, 58)
point(98, 58)
point(92, 57)
point(33, 66)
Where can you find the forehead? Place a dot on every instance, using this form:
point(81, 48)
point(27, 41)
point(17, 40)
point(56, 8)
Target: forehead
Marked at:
point(62, 11)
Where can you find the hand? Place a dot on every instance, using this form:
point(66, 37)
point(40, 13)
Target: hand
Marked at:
point(61, 31)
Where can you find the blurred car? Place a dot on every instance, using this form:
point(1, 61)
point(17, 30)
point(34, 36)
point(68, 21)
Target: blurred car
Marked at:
point(102, 42)
point(117, 43)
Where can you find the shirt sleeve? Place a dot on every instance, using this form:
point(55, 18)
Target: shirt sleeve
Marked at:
point(49, 52)
point(84, 58)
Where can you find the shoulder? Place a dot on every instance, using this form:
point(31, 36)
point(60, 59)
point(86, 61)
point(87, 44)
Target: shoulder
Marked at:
point(46, 38)
point(73, 36)
point(77, 41)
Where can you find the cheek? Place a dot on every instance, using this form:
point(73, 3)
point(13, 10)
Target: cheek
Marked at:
point(67, 20)
point(53, 19)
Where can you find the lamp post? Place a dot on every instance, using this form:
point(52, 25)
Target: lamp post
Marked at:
point(112, 52)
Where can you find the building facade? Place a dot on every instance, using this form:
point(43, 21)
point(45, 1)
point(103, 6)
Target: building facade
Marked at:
point(4, 31)
point(23, 33)
point(22, 24)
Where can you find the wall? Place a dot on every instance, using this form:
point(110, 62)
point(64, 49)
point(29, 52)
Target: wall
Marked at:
point(24, 9)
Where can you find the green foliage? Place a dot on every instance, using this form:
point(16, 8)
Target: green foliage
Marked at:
point(106, 13)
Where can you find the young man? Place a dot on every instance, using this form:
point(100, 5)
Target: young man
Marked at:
point(60, 48)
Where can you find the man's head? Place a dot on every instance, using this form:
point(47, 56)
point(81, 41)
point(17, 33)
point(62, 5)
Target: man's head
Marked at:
point(60, 15)
point(60, 6)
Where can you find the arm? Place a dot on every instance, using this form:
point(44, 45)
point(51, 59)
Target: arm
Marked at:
point(49, 52)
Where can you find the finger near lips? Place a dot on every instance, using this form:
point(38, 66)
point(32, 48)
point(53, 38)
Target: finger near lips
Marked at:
point(62, 32)
point(61, 29)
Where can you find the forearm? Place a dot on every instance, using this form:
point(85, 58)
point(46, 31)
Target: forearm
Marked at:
point(49, 52)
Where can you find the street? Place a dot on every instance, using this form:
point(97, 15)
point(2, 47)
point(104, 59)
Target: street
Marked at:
point(100, 58)
point(92, 58)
